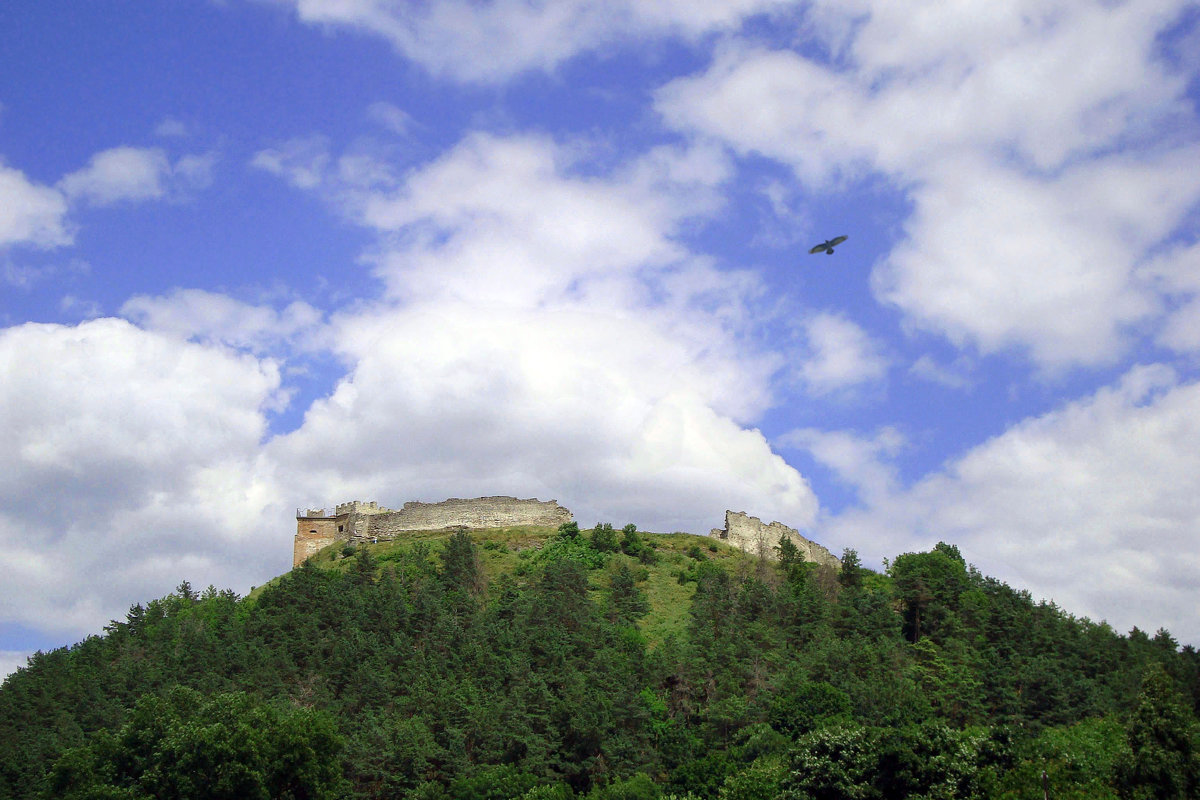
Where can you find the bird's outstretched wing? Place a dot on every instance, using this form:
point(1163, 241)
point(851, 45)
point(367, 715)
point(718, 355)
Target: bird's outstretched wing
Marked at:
point(820, 248)
point(836, 241)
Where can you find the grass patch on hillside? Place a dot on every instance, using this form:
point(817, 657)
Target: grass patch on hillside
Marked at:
point(509, 551)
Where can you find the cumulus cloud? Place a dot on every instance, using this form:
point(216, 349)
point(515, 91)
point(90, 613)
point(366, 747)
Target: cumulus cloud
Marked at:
point(139, 456)
point(608, 415)
point(1176, 274)
point(217, 318)
point(37, 215)
point(997, 259)
point(30, 213)
point(863, 462)
point(131, 174)
point(910, 86)
point(1034, 199)
point(840, 355)
point(503, 221)
point(543, 332)
point(490, 42)
point(122, 173)
point(1092, 505)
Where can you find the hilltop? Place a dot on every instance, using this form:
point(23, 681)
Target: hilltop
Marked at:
point(530, 663)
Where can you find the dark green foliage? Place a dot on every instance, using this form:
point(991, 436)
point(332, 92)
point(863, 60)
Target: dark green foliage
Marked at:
point(500, 782)
point(802, 706)
point(626, 602)
point(442, 681)
point(1163, 761)
point(570, 545)
point(930, 586)
point(851, 575)
point(604, 538)
point(848, 760)
point(637, 787)
point(1077, 761)
point(631, 543)
point(186, 746)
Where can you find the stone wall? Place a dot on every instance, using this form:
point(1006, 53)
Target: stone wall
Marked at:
point(358, 521)
point(753, 536)
point(476, 514)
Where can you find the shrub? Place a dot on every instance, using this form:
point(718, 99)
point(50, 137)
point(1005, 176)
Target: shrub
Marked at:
point(604, 538)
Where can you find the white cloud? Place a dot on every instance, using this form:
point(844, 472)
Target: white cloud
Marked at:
point(390, 116)
point(1092, 505)
point(216, 318)
point(608, 415)
point(121, 173)
point(137, 455)
point(170, 128)
point(302, 162)
point(1176, 274)
point(194, 171)
point(37, 215)
point(840, 355)
point(1034, 197)
point(862, 462)
point(24, 275)
point(544, 334)
point(79, 308)
point(952, 376)
point(491, 41)
point(502, 221)
point(29, 213)
point(997, 260)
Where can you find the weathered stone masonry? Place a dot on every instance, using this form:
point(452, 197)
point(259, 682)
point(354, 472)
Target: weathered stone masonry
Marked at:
point(753, 536)
point(357, 521)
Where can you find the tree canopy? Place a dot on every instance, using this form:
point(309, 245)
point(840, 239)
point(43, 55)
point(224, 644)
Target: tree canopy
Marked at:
point(605, 665)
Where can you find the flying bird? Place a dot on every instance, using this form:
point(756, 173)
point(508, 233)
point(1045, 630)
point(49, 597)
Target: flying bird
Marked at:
point(828, 245)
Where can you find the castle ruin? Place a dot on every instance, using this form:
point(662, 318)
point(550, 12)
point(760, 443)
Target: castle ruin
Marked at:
point(751, 535)
point(357, 522)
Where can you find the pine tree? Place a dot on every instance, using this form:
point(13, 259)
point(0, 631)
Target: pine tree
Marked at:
point(1163, 762)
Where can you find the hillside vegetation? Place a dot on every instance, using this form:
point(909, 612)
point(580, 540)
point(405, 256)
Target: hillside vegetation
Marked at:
point(610, 665)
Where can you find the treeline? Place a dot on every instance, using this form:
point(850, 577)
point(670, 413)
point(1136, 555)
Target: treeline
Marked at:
point(416, 675)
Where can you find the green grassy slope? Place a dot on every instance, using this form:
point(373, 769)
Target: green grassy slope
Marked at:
point(503, 550)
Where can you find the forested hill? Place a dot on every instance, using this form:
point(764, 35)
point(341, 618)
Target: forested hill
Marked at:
point(604, 665)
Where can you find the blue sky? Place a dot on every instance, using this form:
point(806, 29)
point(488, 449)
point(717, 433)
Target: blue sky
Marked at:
point(262, 254)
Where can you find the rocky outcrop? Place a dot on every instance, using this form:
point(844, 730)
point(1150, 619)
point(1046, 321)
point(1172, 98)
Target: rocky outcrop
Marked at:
point(752, 535)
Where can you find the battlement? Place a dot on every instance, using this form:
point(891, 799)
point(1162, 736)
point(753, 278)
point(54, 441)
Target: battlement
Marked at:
point(359, 507)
